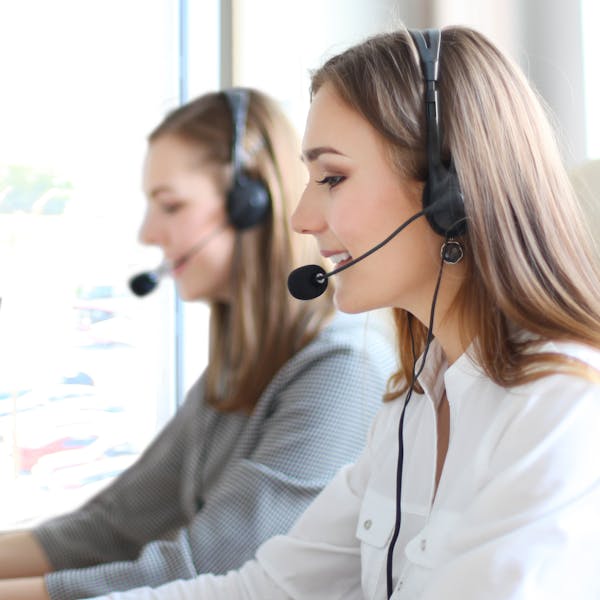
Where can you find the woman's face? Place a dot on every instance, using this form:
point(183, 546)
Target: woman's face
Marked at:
point(353, 201)
point(186, 218)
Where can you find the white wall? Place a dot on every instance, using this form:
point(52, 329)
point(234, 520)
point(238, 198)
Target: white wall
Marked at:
point(277, 42)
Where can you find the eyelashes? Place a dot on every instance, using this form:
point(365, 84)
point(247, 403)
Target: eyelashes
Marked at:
point(171, 208)
point(331, 180)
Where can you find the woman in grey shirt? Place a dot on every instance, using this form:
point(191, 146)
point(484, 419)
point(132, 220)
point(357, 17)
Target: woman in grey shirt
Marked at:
point(286, 398)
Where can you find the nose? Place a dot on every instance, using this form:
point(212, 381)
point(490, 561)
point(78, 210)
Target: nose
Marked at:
point(149, 232)
point(308, 216)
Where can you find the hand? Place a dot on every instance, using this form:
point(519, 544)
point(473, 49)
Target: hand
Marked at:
point(21, 555)
point(25, 588)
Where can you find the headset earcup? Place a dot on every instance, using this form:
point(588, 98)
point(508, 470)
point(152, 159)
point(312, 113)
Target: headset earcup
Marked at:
point(444, 203)
point(248, 202)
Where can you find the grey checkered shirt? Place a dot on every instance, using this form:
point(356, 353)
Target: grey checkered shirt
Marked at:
point(213, 486)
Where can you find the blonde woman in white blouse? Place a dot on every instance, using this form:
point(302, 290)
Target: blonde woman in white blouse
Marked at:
point(481, 476)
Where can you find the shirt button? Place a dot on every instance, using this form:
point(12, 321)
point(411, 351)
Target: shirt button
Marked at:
point(423, 545)
point(367, 524)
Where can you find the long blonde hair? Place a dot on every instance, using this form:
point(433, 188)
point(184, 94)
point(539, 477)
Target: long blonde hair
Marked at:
point(530, 263)
point(255, 334)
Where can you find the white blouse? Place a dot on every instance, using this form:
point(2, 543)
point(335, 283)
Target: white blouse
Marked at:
point(516, 514)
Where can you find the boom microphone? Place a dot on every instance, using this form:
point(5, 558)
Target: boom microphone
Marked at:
point(144, 283)
point(310, 281)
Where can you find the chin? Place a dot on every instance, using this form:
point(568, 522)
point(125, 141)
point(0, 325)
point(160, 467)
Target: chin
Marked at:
point(352, 303)
point(186, 295)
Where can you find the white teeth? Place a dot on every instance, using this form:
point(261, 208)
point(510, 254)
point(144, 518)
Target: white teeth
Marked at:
point(338, 258)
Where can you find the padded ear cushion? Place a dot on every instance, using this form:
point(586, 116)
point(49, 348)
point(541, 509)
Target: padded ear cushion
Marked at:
point(248, 202)
point(444, 203)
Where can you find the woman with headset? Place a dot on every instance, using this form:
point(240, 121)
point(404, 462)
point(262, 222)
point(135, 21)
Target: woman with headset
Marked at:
point(286, 399)
point(480, 479)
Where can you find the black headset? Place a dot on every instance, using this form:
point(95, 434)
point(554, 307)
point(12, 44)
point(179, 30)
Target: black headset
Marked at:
point(442, 198)
point(248, 200)
point(443, 206)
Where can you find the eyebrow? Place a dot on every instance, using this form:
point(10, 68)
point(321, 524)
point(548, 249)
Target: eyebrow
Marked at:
point(312, 154)
point(160, 189)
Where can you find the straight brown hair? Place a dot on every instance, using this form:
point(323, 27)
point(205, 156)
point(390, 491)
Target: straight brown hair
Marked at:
point(532, 274)
point(264, 326)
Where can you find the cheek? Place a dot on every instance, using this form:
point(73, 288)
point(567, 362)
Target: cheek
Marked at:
point(213, 262)
point(208, 275)
point(394, 275)
point(223, 251)
point(368, 218)
point(185, 230)
point(349, 225)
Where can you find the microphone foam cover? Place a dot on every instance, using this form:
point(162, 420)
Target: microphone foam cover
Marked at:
point(143, 283)
point(305, 282)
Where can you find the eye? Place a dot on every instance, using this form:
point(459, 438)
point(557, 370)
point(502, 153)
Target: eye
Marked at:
point(170, 208)
point(331, 180)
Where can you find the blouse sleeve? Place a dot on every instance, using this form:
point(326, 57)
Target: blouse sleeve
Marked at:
point(317, 422)
point(114, 526)
point(319, 559)
point(138, 506)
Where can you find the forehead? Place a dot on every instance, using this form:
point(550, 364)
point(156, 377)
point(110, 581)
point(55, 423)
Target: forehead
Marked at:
point(331, 123)
point(171, 163)
point(169, 150)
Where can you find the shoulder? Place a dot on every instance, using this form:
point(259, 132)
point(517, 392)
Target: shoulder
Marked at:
point(559, 387)
point(564, 388)
point(346, 364)
point(353, 347)
point(582, 352)
point(193, 401)
point(368, 334)
point(555, 416)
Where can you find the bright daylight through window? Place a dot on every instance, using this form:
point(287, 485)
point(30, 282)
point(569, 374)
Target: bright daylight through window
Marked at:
point(81, 371)
point(591, 51)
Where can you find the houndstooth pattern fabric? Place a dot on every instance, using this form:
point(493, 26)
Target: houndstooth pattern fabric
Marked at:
point(213, 486)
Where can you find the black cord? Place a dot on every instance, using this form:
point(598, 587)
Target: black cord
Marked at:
point(414, 376)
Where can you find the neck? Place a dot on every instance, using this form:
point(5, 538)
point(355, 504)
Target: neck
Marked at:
point(453, 338)
point(449, 327)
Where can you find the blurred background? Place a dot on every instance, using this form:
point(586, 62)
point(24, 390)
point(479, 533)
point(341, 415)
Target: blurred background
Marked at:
point(88, 372)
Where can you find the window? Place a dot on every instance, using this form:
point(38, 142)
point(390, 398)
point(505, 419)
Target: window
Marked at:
point(307, 34)
point(86, 368)
point(591, 50)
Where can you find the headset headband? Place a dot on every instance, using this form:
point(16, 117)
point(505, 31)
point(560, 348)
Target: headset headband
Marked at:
point(442, 198)
point(238, 103)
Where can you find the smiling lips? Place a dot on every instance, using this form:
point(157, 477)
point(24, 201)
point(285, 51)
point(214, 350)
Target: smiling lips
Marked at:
point(339, 258)
point(176, 265)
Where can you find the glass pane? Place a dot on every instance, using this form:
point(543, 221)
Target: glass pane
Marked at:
point(85, 367)
point(590, 12)
point(333, 25)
